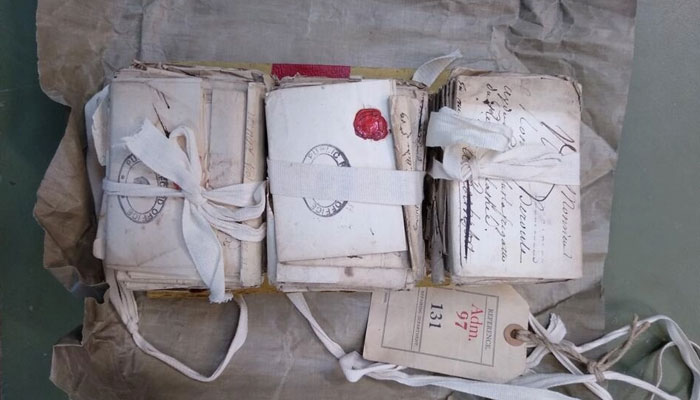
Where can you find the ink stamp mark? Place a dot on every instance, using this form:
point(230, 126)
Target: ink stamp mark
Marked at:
point(141, 210)
point(322, 153)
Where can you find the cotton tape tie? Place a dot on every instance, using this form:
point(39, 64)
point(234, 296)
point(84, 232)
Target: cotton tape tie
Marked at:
point(555, 332)
point(204, 210)
point(495, 158)
point(355, 367)
point(329, 182)
point(429, 72)
point(531, 385)
point(125, 304)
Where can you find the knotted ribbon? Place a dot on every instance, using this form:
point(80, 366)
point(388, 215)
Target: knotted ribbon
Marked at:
point(595, 367)
point(495, 158)
point(431, 69)
point(354, 367)
point(204, 210)
point(124, 302)
point(530, 385)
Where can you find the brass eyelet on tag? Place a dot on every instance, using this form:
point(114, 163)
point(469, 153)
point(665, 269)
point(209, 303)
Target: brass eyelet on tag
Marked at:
point(509, 334)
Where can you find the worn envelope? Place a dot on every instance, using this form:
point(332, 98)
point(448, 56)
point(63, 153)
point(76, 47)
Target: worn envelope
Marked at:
point(144, 233)
point(515, 230)
point(388, 252)
point(142, 237)
point(314, 124)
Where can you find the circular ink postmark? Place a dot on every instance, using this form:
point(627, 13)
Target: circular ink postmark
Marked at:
point(326, 154)
point(141, 210)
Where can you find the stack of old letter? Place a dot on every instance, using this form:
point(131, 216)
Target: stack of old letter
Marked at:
point(346, 161)
point(156, 240)
point(514, 214)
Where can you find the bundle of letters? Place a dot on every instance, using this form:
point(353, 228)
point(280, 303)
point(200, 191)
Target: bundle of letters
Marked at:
point(361, 187)
point(346, 167)
point(184, 188)
point(506, 206)
point(185, 185)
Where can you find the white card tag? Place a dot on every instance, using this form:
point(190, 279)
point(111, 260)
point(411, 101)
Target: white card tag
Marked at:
point(462, 332)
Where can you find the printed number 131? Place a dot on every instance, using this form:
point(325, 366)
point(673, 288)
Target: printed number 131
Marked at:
point(435, 316)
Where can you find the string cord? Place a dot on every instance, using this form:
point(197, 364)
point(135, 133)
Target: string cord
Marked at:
point(595, 367)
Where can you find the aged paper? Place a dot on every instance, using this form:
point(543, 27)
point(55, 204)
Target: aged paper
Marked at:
point(511, 229)
point(254, 171)
point(404, 114)
point(398, 259)
point(295, 277)
point(225, 113)
point(227, 121)
point(459, 332)
point(314, 124)
point(408, 150)
point(146, 233)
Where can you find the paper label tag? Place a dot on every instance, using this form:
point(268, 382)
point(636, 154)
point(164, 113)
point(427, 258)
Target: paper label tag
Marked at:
point(461, 332)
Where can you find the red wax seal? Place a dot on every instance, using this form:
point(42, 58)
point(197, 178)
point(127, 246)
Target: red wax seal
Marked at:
point(369, 124)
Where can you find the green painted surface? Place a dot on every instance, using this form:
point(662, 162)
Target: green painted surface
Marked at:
point(655, 241)
point(35, 309)
point(653, 266)
point(654, 259)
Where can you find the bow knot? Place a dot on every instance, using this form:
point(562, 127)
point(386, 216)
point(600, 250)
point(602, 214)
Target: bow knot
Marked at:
point(470, 169)
point(224, 209)
point(476, 149)
point(196, 196)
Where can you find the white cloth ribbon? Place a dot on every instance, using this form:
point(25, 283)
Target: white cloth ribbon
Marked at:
point(531, 385)
point(355, 367)
point(555, 333)
point(124, 302)
point(329, 182)
point(203, 210)
point(496, 159)
point(431, 69)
